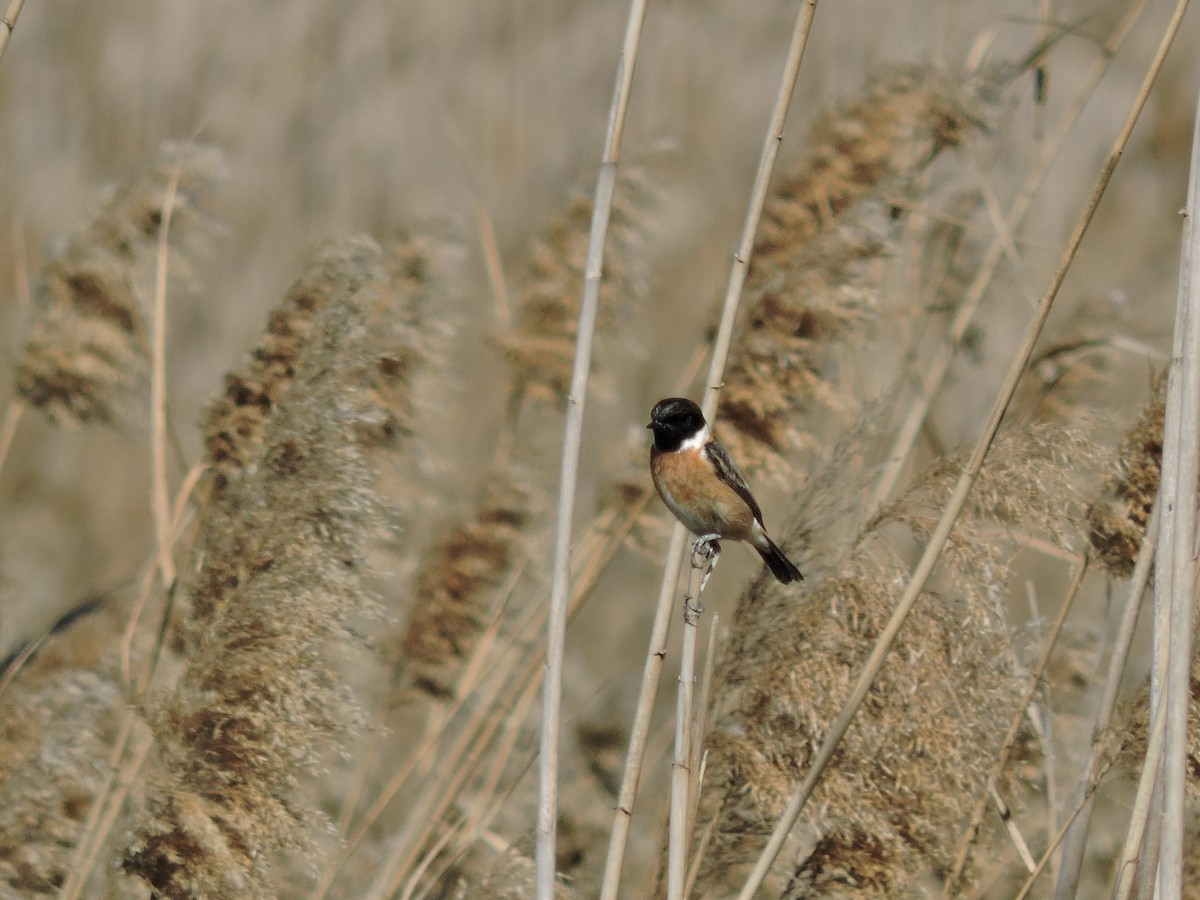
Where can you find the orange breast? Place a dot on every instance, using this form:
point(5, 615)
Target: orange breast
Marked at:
point(691, 489)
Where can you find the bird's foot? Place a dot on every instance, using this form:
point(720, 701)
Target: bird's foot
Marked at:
point(706, 550)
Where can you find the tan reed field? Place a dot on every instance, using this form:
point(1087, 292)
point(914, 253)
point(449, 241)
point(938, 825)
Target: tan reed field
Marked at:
point(290, 312)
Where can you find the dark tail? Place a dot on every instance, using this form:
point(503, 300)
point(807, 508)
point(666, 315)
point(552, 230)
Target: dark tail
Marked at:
point(781, 567)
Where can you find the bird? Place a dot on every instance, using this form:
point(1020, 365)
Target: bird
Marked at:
point(701, 485)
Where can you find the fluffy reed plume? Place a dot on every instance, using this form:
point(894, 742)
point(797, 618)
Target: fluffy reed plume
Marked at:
point(776, 365)
point(233, 424)
point(455, 585)
point(800, 294)
point(394, 289)
point(462, 569)
point(1117, 518)
point(1191, 855)
point(541, 345)
point(1130, 750)
point(261, 693)
point(403, 334)
point(888, 811)
point(87, 350)
point(391, 292)
point(54, 737)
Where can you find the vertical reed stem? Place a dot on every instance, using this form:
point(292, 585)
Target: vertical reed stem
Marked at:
point(556, 621)
point(1175, 574)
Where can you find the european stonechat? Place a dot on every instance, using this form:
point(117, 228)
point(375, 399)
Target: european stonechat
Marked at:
point(703, 488)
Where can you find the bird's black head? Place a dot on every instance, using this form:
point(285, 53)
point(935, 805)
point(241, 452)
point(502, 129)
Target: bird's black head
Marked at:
point(673, 421)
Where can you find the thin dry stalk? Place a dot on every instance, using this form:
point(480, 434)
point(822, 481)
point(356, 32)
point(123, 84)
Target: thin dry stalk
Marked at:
point(488, 677)
point(1175, 572)
point(703, 705)
point(9, 22)
point(459, 762)
point(962, 489)
point(489, 799)
point(125, 777)
point(1014, 833)
point(1129, 861)
point(652, 670)
point(1076, 840)
point(426, 816)
point(1014, 725)
point(146, 585)
point(1051, 850)
point(8, 428)
point(1044, 725)
point(493, 262)
point(160, 492)
point(639, 732)
point(179, 533)
point(935, 371)
point(560, 586)
point(683, 773)
point(406, 890)
point(484, 674)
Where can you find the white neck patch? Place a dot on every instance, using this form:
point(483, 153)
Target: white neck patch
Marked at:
point(697, 440)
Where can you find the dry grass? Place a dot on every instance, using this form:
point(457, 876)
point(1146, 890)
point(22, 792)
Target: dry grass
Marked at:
point(338, 696)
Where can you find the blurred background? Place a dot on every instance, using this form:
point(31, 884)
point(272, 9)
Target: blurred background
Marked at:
point(479, 123)
point(383, 117)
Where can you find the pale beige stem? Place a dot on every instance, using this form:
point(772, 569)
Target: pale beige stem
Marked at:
point(9, 22)
point(1050, 851)
point(1175, 571)
point(700, 724)
point(160, 491)
point(681, 772)
point(8, 428)
point(560, 581)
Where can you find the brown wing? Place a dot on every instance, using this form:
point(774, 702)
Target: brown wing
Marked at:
point(728, 472)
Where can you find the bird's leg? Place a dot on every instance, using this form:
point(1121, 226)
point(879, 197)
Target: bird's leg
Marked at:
point(706, 550)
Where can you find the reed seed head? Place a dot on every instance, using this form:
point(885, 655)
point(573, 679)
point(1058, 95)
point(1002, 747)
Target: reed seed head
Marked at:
point(1117, 518)
point(261, 693)
point(87, 352)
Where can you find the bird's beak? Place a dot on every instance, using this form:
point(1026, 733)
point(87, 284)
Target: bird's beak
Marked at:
point(651, 425)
